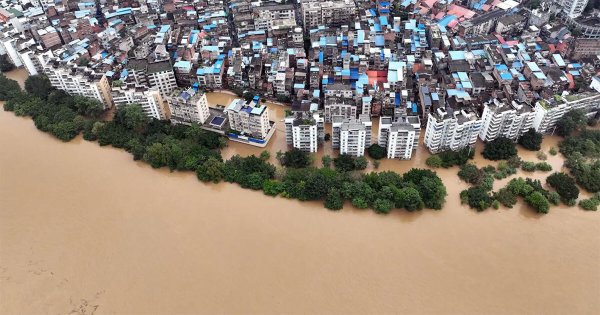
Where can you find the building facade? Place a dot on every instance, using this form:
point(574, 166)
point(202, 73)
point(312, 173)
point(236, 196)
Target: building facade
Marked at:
point(398, 138)
point(350, 135)
point(250, 118)
point(148, 98)
point(451, 130)
point(505, 120)
point(188, 106)
point(304, 131)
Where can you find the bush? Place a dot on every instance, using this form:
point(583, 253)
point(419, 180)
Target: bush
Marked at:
point(570, 122)
point(477, 197)
point(450, 158)
point(295, 158)
point(434, 161)
point(543, 166)
point(383, 205)
point(589, 204)
point(564, 185)
point(531, 140)
point(334, 200)
point(528, 166)
point(377, 152)
point(470, 174)
point(541, 156)
point(326, 161)
point(211, 170)
point(499, 149)
point(506, 197)
point(553, 151)
point(360, 163)
point(272, 187)
point(538, 202)
point(346, 163)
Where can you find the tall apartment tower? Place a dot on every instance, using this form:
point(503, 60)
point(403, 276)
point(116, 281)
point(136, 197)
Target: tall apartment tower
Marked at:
point(572, 8)
point(188, 106)
point(148, 98)
point(250, 119)
point(79, 81)
point(352, 136)
point(505, 120)
point(397, 137)
point(305, 128)
point(548, 112)
point(451, 129)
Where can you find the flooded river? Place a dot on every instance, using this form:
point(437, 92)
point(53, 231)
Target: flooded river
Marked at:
point(85, 229)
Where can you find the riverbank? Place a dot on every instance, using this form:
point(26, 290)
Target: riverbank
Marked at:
point(121, 237)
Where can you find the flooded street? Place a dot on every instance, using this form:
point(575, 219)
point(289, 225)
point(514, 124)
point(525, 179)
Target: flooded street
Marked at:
point(85, 228)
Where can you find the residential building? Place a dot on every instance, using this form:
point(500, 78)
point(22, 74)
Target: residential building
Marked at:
point(352, 136)
point(304, 128)
point(329, 13)
point(188, 106)
point(450, 129)
point(79, 81)
point(572, 8)
point(148, 98)
point(250, 119)
point(548, 112)
point(398, 138)
point(502, 119)
point(340, 106)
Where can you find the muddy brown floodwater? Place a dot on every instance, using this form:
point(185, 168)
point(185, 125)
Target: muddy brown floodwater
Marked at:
point(84, 229)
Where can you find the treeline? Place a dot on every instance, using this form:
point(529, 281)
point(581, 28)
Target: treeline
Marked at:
point(384, 191)
point(52, 111)
point(481, 196)
point(583, 152)
point(178, 147)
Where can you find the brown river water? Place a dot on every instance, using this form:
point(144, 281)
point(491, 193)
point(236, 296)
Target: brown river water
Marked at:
point(86, 230)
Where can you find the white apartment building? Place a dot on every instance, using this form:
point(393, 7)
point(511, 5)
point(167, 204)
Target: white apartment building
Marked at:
point(249, 119)
point(452, 129)
point(304, 131)
point(505, 120)
point(352, 136)
point(79, 81)
point(572, 8)
point(9, 46)
point(154, 74)
point(148, 98)
point(188, 106)
point(399, 138)
point(338, 106)
point(270, 16)
point(548, 112)
point(330, 12)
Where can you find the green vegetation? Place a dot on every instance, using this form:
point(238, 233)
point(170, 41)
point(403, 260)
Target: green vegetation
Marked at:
point(531, 140)
point(9, 89)
point(532, 166)
point(5, 64)
point(570, 122)
point(377, 152)
point(541, 156)
point(347, 163)
point(564, 185)
point(499, 149)
point(450, 158)
point(326, 161)
point(294, 158)
point(590, 204)
point(583, 152)
point(52, 111)
point(190, 148)
point(553, 151)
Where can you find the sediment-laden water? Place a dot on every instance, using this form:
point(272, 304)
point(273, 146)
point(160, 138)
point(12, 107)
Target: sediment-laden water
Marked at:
point(86, 228)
